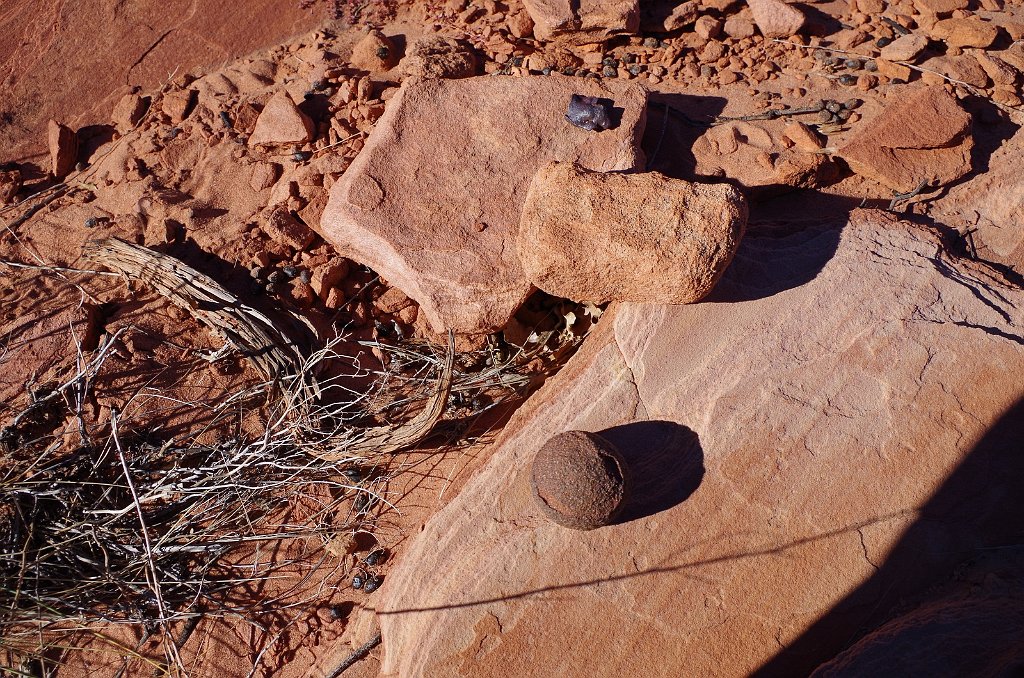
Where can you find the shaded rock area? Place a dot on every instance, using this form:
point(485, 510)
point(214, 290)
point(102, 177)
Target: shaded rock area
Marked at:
point(600, 237)
point(432, 202)
point(844, 401)
point(924, 137)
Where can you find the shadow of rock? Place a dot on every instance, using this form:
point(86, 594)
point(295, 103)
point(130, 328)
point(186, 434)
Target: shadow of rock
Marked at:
point(978, 509)
point(666, 463)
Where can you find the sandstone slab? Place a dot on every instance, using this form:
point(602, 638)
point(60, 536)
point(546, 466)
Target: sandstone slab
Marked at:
point(924, 137)
point(598, 237)
point(439, 57)
point(905, 48)
point(965, 32)
point(843, 393)
point(450, 156)
point(585, 19)
point(776, 19)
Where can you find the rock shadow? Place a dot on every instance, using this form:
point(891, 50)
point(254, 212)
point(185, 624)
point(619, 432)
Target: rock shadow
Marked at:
point(665, 462)
point(977, 510)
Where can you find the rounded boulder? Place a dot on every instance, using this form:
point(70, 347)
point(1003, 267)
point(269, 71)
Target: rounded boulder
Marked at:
point(580, 480)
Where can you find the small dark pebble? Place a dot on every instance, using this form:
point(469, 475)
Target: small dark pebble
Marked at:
point(650, 42)
point(853, 104)
point(357, 582)
point(635, 69)
point(361, 502)
point(517, 61)
point(91, 222)
point(383, 52)
point(301, 156)
point(305, 276)
point(847, 79)
point(833, 106)
point(854, 64)
point(373, 583)
point(258, 272)
point(883, 41)
point(629, 58)
point(610, 71)
point(609, 61)
point(355, 474)
point(270, 288)
point(870, 66)
point(341, 611)
point(844, 115)
point(569, 71)
point(546, 70)
point(376, 556)
point(290, 271)
point(826, 116)
point(275, 277)
point(225, 119)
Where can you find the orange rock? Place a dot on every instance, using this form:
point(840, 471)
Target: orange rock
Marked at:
point(905, 48)
point(940, 6)
point(374, 52)
point(176, 104)
point(281, 122)
point(776, 19)
point(964, 68)
point(583, 19)
point(805, 138)
point(892, 70)
point(598, 237)
point(923, 137)
point(128, 112)
point(967, 32)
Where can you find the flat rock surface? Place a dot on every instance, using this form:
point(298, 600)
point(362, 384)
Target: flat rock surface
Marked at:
point(143, 43)
point(432, 202)
point(821, 441)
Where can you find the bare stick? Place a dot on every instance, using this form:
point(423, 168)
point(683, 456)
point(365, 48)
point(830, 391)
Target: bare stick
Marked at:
point(360, 653)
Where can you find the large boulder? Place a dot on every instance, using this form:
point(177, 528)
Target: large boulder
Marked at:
point(432, 202)
point(599, 237)
point(850, 396)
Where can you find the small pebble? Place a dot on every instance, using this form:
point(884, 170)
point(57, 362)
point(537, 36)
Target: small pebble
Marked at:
point(650, 42)
point(290, 271)
point(870, 66)
point(376, 556)
point(301, 156)
point(833, 107)
point(847, 79)
point(853, 64)
point(357, 582)
point(91, 222)
point(275, 277)
point(546, 70)
point(883, 42)
point(373, 583)
point(610, 71)
point(635, 69)
point(305, 276)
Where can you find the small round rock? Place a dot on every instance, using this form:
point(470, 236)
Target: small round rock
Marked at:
point(580, 480)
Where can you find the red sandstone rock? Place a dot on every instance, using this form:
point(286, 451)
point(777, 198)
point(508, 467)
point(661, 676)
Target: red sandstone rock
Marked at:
point(177, 104)
point(940, 6)
point(438, 57)
point(285, 229)
point(10, 184)
point(63, 144)
point(905, 48)
point(128, 112)
point(281, 122)
point(923, 137)
point(833, 394)
point(448, 154)
point(967, 32)
point(585, 19)
point(805, 138)
point(374, 52)
point(598, 237)
point(963, 68)
point(776, 19)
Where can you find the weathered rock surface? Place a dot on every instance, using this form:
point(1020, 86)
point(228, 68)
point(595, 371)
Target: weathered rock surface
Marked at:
point(439, 57)
point(776, 19)
point(599, 237)
point(579, 480)
point(845, 390)
point(449, 156)
point(281, 122)
point(595, 19)
point(965, 32)
point(925, 136)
